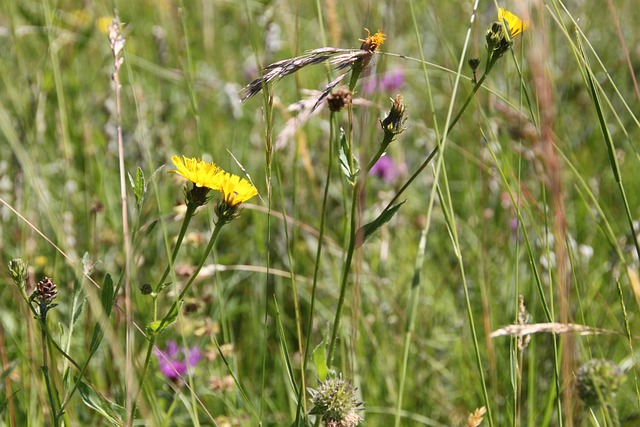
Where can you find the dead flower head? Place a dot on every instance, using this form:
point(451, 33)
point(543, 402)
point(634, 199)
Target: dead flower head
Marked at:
point(339, 99)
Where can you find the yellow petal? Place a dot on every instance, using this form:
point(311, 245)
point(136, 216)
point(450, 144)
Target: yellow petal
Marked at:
point(201, 173)
point(236, 190)
point(513, 22)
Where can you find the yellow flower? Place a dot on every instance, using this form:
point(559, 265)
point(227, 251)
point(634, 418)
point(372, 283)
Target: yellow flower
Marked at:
point(512, 21)
point(201, 173)
point(372, 42)
point(235, 190)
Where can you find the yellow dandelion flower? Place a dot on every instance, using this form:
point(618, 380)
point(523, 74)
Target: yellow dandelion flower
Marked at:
point(512, 21)
point(201, 173)
point(373, 42)
point(235, 190)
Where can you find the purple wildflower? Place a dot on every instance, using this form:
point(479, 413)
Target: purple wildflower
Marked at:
point(390, 82)
point(385, 169)
point(174, 361)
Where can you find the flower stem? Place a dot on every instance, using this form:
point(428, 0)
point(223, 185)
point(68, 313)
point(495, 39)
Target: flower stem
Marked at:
point(383, 148)
point(454, 121)
point(316, 269)
point(191, 208)
point(45, 366)
point(174, 306)
point(345, 273)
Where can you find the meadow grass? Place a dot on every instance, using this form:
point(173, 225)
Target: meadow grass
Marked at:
point(463, 254)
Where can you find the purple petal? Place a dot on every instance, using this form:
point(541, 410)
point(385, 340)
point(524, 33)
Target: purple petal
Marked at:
point(193, 356)
point(172, 349)
point(393, 80)
point(385, 169)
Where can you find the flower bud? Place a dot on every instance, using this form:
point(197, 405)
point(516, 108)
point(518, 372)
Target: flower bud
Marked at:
point(146, 289)
point(18, 271)
point(393, 124)
point(45, 291)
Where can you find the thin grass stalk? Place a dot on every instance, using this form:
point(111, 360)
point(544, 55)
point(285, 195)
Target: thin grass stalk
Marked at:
point(284, 350)
point(447, 203)
point(517, 296)
point(269, 147)
point(532, 263)
point(291, 242)
point(518, 402)
point(7, 381)
point(575, 49)
point(126, 236)
point(189, 83)
point(323, 215)
point(414, 297)
point(532, 397)
point(294, 282)
point(447, 207)
point(613, 159)
point(189, 75)
point(241, 389)
point(627, 329)
point(59, 86)
point(425, 72)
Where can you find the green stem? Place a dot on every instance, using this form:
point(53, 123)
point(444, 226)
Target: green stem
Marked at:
point(414, 294)
point(165, 319)
point(45, 365)
point(345, 273)
point(316, 269)
point(191, 208)
point(352, 227)
point(454, 121)
point(388, 138)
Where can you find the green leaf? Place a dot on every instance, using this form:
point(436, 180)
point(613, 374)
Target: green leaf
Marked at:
point(114, 413)
point(284, 349)
point(367, 230)
point(66, 379)
point(96, 337)
point(351, 172)
point(107, 299)
point(151, 226)
point(320, 361)
point(140, 187)
point(155, 328)
point(78, 310)
point(106, 296)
